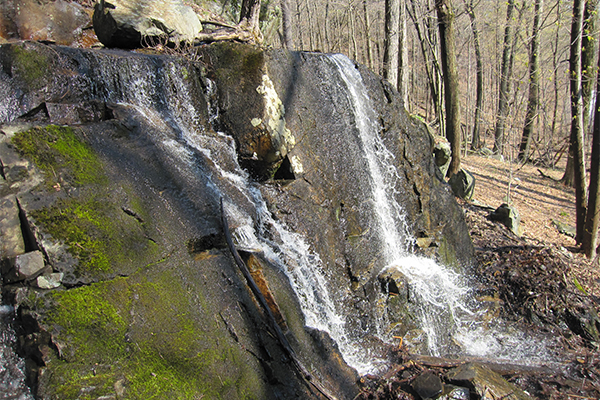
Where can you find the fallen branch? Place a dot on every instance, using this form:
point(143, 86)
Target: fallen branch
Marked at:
point(272, 322)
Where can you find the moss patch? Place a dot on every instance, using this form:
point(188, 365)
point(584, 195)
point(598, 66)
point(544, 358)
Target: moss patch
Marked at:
point(143, 334)
point(90, 220)
point(61, 155)
point(30, 65)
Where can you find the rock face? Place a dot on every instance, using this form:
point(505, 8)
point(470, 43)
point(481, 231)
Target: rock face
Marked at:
point(119, 161)
point(130, 24)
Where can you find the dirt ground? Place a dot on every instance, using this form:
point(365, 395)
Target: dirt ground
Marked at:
point(540, 200)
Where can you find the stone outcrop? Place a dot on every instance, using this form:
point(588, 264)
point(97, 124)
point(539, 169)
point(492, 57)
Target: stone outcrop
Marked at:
point(129, 24)
point(117, 163)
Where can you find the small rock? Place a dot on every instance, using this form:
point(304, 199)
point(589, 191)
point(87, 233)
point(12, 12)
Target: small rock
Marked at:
point(24, 266)
point(564, 229)
point(452, 392)
point(507, 216)
point(49, 281)
point(487, 383)
point(427, 385)
point(463, 184)
point(11, 237)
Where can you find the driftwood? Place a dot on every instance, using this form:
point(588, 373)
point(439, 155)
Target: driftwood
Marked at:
point(271, 320)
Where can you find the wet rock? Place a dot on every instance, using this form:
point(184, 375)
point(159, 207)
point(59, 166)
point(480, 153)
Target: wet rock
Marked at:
point(452, 392)
point(463, 184)
point(428, 385)
point(486, 383)
point(24, 267)
point(131, 24)
point(11, 237)
point(508, 216)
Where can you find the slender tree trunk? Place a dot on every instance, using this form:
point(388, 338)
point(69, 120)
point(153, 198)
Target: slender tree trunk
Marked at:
point(403, 64)
point(369, 49)
point(534, 85)
point(327, 29)
point(451, 93)
point(476, 142)
point(390, 52)
point(588, 57)
point(576, 92)
point(299, 24)
point(589, 242)
point(588, 62)
point(504, 89)
point(286, 16)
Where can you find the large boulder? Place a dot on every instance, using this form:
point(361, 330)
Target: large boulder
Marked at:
point(131, 24)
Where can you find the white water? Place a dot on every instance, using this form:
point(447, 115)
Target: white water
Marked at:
point(442, 296)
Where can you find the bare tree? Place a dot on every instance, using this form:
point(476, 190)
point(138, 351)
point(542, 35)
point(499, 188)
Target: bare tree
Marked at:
point(286, 16)
point(247, 30)
point(390, 53)
point(589, 242)
point(504, 88)
point(476, 142)
point(534, 85)
point(451, 93)
point(577, 116)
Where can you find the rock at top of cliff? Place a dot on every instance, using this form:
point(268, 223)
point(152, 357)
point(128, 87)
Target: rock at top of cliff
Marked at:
point(131, 24)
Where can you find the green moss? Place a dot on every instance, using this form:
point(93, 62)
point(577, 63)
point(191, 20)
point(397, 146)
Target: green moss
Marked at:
point(31, 66)
point(58, 151)
point(148, 334)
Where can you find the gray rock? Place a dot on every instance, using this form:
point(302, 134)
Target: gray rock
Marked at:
point(428, 385)
point(452, 392)
point(463, 184)
point(138, 23)
point(11, 237)
point(49, 281)
point(442, 153)
point(487, 383)
point(24, 266)
point(507, 216)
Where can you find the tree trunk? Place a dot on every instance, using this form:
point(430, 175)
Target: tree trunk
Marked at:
point(369, 49)
point(534, 85)
point(504, 89)
point(589, 241)
point(588, 57)
point(576, 91)
point(390, 52)
point(286, 16)
point(450, 74)
point(476, 142)
point(403, 64)
point(432, 67)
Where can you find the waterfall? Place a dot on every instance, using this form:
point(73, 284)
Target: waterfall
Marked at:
point(442, 296)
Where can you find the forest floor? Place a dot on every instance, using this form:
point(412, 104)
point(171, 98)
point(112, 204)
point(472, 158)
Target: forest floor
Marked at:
point(539, 279)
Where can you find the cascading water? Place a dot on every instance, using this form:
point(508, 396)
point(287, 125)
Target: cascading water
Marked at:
point(443, 314)
point(442, 296)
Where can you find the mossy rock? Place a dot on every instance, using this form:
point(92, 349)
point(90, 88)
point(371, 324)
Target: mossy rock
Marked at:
point(90, 217)
point(144, 337)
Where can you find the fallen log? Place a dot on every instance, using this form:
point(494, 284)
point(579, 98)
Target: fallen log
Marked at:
point(271, 320)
